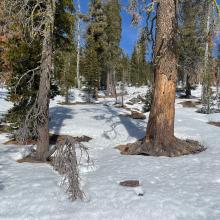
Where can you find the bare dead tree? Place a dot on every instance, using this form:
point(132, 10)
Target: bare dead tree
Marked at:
point(66, 163)
point(37, 18)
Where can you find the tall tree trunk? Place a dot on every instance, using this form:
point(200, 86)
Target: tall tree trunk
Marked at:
point(159, 139)
point(109, 83)
point(44, 87)
point(206, 55)
point(160, 129)
point(114, 91)
point(67, 95)
point(111, 88)
point(188, 86)
point(78, 47)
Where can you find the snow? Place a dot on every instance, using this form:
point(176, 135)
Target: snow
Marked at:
point(183, 188)
point(4, 105)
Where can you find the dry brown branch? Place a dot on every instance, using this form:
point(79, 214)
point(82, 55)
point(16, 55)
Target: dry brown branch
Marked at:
point(66, 163)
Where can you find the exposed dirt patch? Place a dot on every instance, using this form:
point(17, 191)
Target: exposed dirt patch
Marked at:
point(130, 183)
point(215, 123)
point(177, 148)
point(79, 103)
point(14, 142)
point(30, 159)
point(75, 103)
point(190, 104)
point(54, 138)
point(137, 115)
point(134, 115)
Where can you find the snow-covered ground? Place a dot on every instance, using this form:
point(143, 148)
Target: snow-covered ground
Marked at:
point(4, 105)
point(183, 188)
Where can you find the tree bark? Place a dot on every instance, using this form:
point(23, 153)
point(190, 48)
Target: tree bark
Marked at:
point(188, 87)
point(78, 47)
point(160, 129)
point(159, 139)
point(67, 95)
point(109, 83)
point(44, 87)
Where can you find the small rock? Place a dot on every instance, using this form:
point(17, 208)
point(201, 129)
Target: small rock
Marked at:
point(130, 183)
point(137, 115)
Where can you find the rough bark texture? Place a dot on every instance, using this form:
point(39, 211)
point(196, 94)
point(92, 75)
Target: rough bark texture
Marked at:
point(160, 129)
point(44, 87)
point(159, 139)
point(109, 83)
point(78, 47)
point(188, 87)
point(67, 95)
point(111, 89)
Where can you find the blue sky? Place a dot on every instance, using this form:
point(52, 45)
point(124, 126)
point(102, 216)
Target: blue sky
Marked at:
point(129, 33)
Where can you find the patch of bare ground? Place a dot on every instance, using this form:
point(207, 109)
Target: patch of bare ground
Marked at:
point(190, 104)
point(75, 103)
point(54, 138)
point(176, 148)
point(14, 142)
point(215, 123)
point(135, 114)
point(30, 159)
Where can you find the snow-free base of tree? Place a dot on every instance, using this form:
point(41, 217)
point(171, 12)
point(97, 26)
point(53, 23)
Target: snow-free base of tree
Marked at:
point(174, 148)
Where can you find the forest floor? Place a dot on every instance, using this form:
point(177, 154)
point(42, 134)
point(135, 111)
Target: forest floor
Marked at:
point(182, 188)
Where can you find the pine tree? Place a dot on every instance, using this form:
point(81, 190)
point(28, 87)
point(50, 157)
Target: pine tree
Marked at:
point(65, 49)
point(191, 42)
point(23, 56)
point(65, 73)
point(218, 77)
point(140, 69)
point(96, 41)
point(113, 33)
point(123, 68)
point(134, 67)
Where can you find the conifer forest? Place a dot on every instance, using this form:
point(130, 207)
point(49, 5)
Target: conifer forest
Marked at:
point(109, 109)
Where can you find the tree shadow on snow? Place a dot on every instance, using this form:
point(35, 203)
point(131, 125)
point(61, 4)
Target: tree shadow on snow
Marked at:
point(3, 95)
point(58, 115)
point(1, 185)
point(135, 128)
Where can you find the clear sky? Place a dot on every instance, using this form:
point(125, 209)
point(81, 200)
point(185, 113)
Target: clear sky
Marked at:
point(129, 32)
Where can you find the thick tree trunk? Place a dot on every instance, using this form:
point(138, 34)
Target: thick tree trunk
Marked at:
point(108, 83)
point(160, 129)
point(44, 87)
point(111, 87)
point(207, 48)
point(159, 139)
point(67, 95)
point(188, 87)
